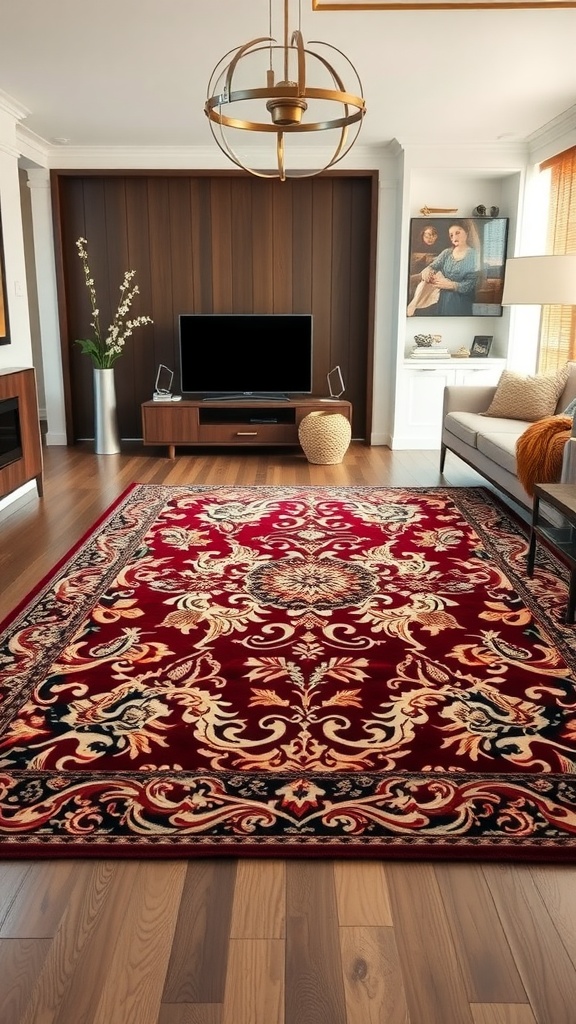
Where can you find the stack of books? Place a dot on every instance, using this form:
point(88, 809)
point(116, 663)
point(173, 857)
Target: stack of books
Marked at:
point(430, 353)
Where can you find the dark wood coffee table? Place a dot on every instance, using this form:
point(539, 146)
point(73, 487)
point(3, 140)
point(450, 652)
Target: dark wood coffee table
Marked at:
point(562, 538)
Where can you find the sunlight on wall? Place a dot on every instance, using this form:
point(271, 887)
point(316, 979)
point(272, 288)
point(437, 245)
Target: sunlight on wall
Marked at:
point(525, 320)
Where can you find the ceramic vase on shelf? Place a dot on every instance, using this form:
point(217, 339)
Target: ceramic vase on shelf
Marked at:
point(106, 436)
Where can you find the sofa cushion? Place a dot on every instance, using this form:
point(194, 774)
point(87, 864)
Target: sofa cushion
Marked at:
point(500, 448)
point(467, 425)
point(527, 398)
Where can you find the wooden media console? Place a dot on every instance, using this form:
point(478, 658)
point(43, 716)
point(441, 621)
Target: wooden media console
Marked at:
point(238, 422)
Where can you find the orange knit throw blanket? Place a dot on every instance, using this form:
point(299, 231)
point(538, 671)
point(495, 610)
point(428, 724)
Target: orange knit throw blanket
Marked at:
point(539, 451)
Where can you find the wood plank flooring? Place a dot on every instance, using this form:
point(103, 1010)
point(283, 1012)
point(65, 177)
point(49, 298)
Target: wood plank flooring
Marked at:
point(225, 941)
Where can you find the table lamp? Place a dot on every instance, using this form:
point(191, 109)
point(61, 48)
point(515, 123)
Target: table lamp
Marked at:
point(545, 281)
point(540, 281)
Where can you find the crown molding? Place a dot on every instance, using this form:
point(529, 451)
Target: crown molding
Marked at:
point(134, 157)
point(10, 114)
point(11, 107)
point(32, 148)
point(476, 157)
point(553, 137)
point(197, 157)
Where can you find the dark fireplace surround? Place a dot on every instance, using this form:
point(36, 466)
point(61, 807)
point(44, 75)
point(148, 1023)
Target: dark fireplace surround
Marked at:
point(20, 439)
point(10, 434)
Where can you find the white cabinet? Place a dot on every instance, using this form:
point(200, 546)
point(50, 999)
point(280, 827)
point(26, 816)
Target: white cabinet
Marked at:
point(480, 374)
point(420, 394)
point(419, 406)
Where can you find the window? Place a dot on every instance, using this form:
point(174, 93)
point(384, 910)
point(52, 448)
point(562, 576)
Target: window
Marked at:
point(558, 325)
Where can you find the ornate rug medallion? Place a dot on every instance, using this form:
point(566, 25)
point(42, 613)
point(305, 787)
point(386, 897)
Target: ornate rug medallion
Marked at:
point(295, 671)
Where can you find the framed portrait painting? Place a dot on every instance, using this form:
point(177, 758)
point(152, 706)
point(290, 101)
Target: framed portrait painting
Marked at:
point(456, 266)
point(4, 329)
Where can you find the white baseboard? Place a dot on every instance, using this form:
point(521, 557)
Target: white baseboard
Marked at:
point(17, 498)
point(417, 444)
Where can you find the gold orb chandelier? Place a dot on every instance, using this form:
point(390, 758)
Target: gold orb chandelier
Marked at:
point(284, 105)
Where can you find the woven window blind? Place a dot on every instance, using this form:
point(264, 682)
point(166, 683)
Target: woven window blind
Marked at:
point(558, 324)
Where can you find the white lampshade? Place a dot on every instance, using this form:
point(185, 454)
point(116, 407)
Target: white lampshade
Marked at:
point(540, 281)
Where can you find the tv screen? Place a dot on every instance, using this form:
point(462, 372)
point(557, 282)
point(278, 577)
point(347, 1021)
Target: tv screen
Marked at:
point(245, 354)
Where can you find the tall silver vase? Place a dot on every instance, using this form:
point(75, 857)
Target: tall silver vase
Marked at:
point(106, 436)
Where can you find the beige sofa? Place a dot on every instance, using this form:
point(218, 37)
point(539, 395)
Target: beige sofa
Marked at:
point(486, 443)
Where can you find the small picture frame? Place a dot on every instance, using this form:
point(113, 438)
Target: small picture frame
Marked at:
point(481, 345)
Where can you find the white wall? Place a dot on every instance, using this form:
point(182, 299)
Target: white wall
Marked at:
point(19, 352)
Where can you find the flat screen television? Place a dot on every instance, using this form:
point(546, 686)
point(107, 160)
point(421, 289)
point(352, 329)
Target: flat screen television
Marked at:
point(245, 355)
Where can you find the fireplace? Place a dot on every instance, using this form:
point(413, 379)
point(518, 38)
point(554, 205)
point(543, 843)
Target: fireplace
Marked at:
point(10, 436)
point(20, 439)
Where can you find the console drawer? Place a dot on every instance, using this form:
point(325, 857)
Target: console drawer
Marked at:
point(247, 433)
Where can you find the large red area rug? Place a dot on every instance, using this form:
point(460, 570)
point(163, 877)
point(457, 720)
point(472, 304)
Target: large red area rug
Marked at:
point(292, 671)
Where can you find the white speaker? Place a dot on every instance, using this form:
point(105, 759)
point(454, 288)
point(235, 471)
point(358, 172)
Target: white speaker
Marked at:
point(335, 383)
point(163, 385)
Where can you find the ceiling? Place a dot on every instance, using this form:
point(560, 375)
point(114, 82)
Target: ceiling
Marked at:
point(134, 72)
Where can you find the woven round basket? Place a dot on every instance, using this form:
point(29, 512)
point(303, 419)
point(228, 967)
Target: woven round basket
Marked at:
point(324, 437)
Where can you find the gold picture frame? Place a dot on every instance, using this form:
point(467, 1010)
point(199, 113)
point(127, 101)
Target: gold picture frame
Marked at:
point(434, 5)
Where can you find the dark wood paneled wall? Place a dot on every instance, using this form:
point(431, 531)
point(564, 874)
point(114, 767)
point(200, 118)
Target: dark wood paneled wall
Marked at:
point(215, 242)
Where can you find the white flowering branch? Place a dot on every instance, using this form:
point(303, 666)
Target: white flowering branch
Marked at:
point(104, 351)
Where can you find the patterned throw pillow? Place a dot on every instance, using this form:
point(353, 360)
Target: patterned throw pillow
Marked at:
point(527, 398)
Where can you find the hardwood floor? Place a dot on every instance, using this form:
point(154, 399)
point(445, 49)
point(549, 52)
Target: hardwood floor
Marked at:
point(226, 941)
